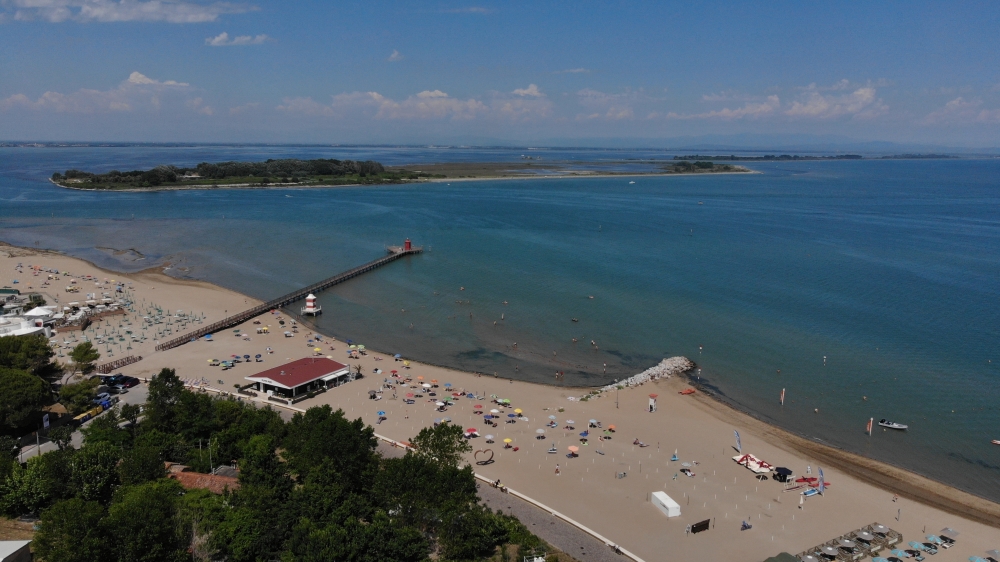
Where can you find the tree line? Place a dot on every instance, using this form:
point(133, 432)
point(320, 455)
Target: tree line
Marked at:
point(283, 169)
point(312, 488)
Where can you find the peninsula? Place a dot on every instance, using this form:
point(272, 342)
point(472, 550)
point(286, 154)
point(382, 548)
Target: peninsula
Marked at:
point(332, 172)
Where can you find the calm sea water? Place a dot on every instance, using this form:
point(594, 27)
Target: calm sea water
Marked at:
point(871, 279)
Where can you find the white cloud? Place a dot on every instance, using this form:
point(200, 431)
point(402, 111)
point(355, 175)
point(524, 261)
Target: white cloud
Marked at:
point(137, 92)
point(395, 56)
point(223, 40)
point(243, 108)
point(960, 111)
point(750, 110)
point(861, 103)
point(425, 105)
point(469, 10)
point(84, 11)
point(139, 78)
point(531, 91)
point(580, 70)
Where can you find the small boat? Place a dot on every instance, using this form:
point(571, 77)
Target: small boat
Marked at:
point(574, 319)
point(995, 441)
point(631, 183)
point(891, 425)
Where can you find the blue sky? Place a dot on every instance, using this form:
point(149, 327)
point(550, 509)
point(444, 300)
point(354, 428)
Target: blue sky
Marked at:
point(506, 71)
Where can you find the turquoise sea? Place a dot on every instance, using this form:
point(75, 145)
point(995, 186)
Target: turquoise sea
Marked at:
point(877, 279)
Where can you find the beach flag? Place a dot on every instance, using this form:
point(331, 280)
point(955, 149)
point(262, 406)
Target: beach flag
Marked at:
point(822, 481)
point(782, 396)
point(739, 446)
point(869, 428)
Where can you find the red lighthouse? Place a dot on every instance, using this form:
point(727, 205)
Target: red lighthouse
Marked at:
point(407, 246)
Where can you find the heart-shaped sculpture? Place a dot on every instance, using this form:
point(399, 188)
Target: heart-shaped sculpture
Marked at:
point(486, 459)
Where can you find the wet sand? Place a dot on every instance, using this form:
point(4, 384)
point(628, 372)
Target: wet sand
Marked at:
point(587, 489)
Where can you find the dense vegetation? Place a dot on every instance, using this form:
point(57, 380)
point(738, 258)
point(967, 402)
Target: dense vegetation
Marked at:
point(285, 171)
point(685, 167)
point(313, 488)
point(25, 371)
point(769, 157)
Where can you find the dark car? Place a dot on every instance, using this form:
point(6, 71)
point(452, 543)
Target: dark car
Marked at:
point(128, 382)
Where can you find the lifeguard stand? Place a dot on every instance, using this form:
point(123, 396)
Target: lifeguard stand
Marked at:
point(652, 403)
point(311, 308)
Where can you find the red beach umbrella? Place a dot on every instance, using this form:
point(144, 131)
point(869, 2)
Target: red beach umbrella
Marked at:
point(409, 395)
point(472, 430)
point(653, 395)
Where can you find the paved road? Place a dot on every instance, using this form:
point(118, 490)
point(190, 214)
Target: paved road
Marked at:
point(552, 530)
point(135, 395)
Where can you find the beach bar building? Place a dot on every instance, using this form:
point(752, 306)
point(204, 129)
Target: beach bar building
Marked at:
point(300, 377)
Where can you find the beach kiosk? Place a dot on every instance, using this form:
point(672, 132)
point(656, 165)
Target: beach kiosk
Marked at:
point(669, 507)
point(652, 402)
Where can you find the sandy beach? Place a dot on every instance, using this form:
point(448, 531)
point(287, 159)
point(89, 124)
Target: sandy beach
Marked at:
point(588, 487)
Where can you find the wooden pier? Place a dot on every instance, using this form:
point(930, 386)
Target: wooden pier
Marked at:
point(395, 252)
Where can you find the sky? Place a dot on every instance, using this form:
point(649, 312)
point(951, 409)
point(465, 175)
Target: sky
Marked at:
point(499, 72)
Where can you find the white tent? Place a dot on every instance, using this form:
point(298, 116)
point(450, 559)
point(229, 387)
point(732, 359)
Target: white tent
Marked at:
point(669, 507)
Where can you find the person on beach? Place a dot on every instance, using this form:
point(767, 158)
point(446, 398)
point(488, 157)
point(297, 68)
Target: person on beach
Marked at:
point(557, 470)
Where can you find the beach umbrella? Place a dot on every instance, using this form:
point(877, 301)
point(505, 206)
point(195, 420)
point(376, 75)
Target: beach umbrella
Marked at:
point(993, 553)
point(426, 385)
point(434, 381)
point(406, 363)
point(487, 417)
point(409, 395)
point(511, 415)
point(396, 356)
point(949, 532)
point(456, 395)
point(539, 431)
point(573, 449)
point(361, 347)
point(844, 543)
point(489, 438)
point(508, 440)
point(381, 412)
point(611, 427)
point(257, 356)
point(439, 403)
point(570, 422)
point(447, 384)
point(353, 347)
point(585, 434)
point(916, 545)
point(494, 411)
point(552, 417)
point(518, 411)
point(447, 419)
point(478, 407)
point(471, 431)
point(593, 422)
point(420, 378)
point(470, 395)
point(493, 396)
point(317, 350)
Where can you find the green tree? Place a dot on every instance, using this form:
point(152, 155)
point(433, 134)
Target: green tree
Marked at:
point(131, 413)
point(420, 491)
point(23, 491)
point(84, 356)
point(140, 465)
point(105, 429)
point(70, 531)
point(78, 397)
point(445, 444)
point(472, 534)
point(142, 523)
point(165, 390)
point(62, 436)
point(95, 473)
point(320, 434)
point(22, 396)
point(26, 353)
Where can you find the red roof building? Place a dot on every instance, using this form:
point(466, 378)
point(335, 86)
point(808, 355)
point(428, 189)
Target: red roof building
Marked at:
point(302, 376)
point(214, 483)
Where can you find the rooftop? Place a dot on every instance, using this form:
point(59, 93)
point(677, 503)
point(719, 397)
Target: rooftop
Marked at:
point(298, 373)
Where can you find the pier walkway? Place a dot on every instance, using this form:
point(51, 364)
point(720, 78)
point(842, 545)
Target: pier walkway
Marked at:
point(395, 252)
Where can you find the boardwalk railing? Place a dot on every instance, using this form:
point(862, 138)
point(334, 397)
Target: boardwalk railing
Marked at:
point(279, 302)
point(118, 364)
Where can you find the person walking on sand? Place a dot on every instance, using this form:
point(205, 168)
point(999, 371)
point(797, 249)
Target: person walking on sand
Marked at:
point(557, 470)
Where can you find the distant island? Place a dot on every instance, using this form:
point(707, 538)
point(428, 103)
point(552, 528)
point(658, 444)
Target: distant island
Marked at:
point(331, 172)
point(284, 172)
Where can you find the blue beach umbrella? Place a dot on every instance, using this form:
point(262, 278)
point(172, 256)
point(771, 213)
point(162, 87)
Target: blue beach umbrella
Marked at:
point(916, 545)
point(511, 415)
point(397, 356)
point(552, 417)
point(470, 395)
point(381, 412)
point(447, 385)
point(900, 553)
point(584, 434)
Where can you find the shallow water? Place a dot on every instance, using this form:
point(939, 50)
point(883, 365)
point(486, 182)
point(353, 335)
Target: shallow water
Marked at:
point(888, 269)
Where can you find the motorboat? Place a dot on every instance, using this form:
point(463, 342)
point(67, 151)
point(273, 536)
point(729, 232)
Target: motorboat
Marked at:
point(995, 441)
point(891, 425)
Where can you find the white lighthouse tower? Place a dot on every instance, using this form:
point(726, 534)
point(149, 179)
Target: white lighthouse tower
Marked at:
point(311, 308)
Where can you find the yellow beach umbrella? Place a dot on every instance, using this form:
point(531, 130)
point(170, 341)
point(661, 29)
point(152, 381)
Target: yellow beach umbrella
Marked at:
point(407, 364)
point(517, 410)
point(507, 440)
point(317, 350)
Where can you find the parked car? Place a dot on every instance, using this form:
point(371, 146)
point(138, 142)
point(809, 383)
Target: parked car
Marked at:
point(128, 382)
